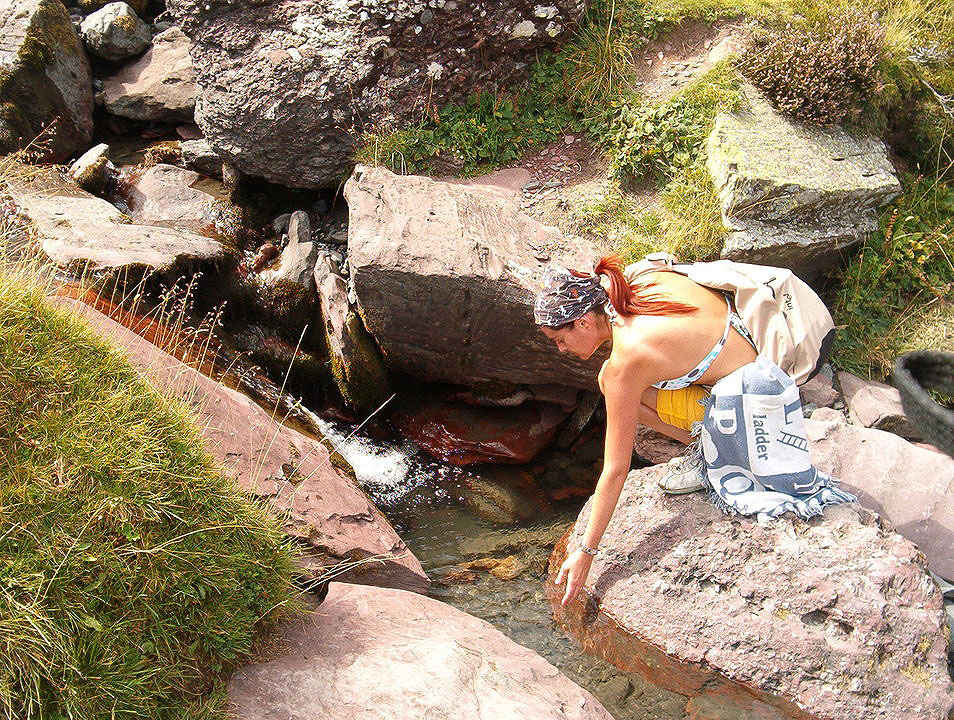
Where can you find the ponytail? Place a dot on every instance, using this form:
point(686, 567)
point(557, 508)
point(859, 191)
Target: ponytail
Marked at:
point(628, 299)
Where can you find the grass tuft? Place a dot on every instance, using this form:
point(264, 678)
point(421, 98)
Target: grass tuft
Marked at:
point(132, 573)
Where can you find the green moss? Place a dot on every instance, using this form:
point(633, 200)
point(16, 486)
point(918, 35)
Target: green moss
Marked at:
point(363, 380)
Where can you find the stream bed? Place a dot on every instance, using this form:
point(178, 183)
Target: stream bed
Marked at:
point(436, 511)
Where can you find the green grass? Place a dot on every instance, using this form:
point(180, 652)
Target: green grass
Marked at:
point(897, 294)
point(133, 575)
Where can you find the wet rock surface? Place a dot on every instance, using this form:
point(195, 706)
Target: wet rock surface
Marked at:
point(911, 486)
point(445, 276)
point(463, 434)
point(383, 653)
point(322, 508)
point(158, 86)
point(833, 618)
point(45, 77)
point(314, 71)
point(795, 196)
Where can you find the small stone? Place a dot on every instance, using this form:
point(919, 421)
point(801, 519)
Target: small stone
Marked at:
point(569, 139)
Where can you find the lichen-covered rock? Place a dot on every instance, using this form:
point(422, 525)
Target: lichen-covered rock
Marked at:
point(287, 87)
point(367, 653)
point(794, 195)
point(832, 619)
point(158, 86)
point(91, 169)
point(75, 228)
point(115, 32)
point(445, 276)
point(44, 77)
point(356, 364)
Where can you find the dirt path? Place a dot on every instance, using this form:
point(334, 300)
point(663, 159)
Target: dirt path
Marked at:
point(569, 173)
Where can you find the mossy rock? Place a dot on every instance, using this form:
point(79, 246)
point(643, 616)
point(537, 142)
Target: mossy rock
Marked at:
point(54, 108)
point(361, 377)
point(89, 6)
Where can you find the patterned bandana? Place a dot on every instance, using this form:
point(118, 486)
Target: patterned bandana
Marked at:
point(565, 297)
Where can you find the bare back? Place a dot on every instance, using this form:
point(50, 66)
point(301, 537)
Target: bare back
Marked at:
point(675, 344)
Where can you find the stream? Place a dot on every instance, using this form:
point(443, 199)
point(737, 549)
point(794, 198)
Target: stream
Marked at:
point(432, 506)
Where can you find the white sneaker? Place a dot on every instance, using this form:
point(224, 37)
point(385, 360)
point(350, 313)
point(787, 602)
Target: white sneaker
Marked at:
point(684, 476)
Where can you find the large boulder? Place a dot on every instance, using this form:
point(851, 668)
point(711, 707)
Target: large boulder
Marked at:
point(287, 88)
point(116, 32)
point(321, 506)
point(445, 276)
point(79, 230)
point(793, 195)
point(160, 85)
point(369, 653)
point(832, 619)
point(909, 485)
point(44, 77)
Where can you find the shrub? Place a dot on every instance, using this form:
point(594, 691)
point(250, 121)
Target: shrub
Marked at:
point(132, 573)
point(820, 71)
point(897, 294)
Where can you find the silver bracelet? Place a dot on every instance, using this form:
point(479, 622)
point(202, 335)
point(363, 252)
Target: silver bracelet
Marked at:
point(587, 550)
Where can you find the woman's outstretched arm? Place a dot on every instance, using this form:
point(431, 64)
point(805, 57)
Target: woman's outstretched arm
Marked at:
point(623, 384)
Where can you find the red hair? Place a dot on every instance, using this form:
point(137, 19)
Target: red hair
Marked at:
point(630, 299)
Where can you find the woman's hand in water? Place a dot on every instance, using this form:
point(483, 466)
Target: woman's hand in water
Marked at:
point(574, 570)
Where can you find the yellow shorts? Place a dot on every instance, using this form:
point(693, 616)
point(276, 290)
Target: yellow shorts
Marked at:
point(682, 407)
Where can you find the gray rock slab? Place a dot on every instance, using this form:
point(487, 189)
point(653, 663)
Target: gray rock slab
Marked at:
point(91, 169)
point(44, 75)
point(445, 276)
point(199, 156)
point(793, 194)
point(160, 85)
point(115, 32)
point(832, 619)
point(287, 89)
point(74, 228)
point(372, 653)
point(296, 264)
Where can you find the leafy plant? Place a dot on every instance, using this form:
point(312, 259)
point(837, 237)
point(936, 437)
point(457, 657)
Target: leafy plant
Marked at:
point(897, 292)
point(819, 71)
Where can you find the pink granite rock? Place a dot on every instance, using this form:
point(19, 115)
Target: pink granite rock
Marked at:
point(656, 447)
point(374, 654)
point(833, 619)
point(911, 486)
point(163, 195)
point(818, 392)
point(876, 405)
point(323, 508)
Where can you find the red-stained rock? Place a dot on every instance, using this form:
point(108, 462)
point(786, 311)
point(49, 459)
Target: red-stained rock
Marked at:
point(911, 486)
point(322, 508)
point(833, 619)
point(463, 434)
point(377, 653)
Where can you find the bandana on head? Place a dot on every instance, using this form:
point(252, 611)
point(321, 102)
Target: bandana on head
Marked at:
point(565, 297)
